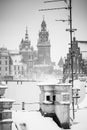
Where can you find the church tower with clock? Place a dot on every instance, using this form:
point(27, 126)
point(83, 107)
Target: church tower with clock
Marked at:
point(43, 45)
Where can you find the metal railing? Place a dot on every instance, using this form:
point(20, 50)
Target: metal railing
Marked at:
point(29, 106)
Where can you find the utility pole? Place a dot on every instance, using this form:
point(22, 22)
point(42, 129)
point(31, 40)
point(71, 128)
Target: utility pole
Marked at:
point(70, 6)
point(71, 31)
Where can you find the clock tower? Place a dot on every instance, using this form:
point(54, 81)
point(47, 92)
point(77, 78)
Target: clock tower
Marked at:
point(43, 45)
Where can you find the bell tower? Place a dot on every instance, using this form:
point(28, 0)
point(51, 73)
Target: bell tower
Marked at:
point(43, 45)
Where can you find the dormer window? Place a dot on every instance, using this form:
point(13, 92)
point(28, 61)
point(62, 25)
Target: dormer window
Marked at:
point(48, 98)
point(51, 98)
point(54, 97)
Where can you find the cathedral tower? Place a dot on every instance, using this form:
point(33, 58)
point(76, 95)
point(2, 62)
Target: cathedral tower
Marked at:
point(43, 45)
point(26, 51)
point(25, 43)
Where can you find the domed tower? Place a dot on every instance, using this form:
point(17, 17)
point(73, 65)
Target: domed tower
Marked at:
point(43, 45)
point(25, 49)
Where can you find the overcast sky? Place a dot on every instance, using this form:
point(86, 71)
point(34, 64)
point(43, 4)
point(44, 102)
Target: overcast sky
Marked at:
point(15, 15)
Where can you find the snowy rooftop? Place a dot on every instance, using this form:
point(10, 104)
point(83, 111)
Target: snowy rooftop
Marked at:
point(53, 84)
point(33, 120)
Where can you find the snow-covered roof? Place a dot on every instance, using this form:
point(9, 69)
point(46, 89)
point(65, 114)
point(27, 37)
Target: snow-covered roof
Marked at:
point(41, 65)
point(32, 121)
point(14, 52)
point(6, 100)
point(53, 83)
point(27, 92)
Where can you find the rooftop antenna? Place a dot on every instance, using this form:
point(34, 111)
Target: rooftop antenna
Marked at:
point(69, 7)
point(74, 32)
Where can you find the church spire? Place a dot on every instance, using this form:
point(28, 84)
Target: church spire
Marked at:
point(43, 25)
point(26, 34)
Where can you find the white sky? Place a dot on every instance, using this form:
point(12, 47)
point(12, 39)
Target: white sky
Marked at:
point(15, 15)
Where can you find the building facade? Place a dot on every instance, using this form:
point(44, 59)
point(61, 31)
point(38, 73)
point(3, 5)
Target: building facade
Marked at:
point(17, 67)
point(55, 102)
point(78, 62)
point(5, 62)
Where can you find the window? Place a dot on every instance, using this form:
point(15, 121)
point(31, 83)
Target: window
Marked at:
point(5, 68)
point(0, 116)
point(0, 62)
point(77, 61)
point(48, 98)
point(54, 97)
point(74, 60)
point(6, 74)
point(6, 62)
point(6, 57)
point(18, 68)
point(14, 67)
point(66, 97)
point(29, 57)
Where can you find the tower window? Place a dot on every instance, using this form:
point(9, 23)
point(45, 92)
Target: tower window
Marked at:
point(48, 98)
